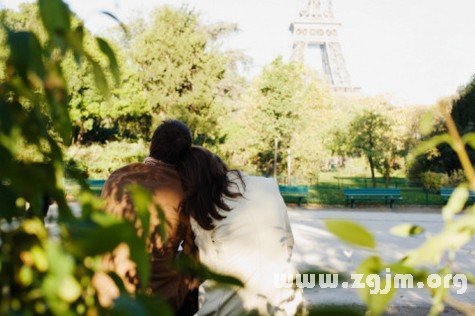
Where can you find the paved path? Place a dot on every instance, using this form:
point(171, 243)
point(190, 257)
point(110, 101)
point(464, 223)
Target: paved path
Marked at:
point(316, 247)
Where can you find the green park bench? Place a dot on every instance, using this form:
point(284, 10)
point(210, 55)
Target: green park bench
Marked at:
point(445, 194)
point(96, 185)
point(371, 194)
point(298, 193)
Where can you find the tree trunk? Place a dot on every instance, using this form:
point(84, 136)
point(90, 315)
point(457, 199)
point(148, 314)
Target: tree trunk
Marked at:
point(387, 178)
point(387, 173)
point(371, 165)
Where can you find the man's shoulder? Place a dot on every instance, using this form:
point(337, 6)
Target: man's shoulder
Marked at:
point(130, 168)
point(149, 176)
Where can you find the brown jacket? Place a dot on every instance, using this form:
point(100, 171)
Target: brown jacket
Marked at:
point(164, 184)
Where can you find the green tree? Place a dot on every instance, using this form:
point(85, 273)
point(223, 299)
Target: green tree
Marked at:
point(277, 98)
point(317, 116)
point(42, 271)
point(180, 71)
point(442, 158)
point(463, 109)
point(287, 103)
point(371, 135)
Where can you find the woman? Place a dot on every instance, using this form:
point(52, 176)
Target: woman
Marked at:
point(241, 229)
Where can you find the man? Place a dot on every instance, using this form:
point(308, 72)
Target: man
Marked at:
point(171, 142)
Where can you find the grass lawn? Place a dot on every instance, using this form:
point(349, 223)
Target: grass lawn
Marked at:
point(329, 190)
point(333, 195)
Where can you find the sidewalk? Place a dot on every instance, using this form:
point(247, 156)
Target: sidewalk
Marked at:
point(316, 247)
point(431, 209)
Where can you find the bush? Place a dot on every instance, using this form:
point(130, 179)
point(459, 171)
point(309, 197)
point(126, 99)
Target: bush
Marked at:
point(415, 169)
point(456, 178)
point(73, 167)
point(99, 161)
point(433, 181)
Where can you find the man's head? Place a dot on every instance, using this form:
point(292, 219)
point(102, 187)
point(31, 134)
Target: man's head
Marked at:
point(171, 142)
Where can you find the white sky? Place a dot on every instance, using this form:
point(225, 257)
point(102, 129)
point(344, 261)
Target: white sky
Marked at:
point(415, 51)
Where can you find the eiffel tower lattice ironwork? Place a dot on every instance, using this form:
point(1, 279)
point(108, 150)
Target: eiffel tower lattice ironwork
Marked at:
point(316, 43)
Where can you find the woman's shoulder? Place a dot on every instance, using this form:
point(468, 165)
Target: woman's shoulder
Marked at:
point(261, 183)
point(259, 179)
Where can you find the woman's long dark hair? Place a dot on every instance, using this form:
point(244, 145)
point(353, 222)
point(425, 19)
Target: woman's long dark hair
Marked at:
point(206, 183)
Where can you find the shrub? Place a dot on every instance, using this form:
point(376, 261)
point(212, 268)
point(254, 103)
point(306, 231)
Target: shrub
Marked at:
point(457, 177)
point(415, 169)
point(99, 161)
point(433, 181)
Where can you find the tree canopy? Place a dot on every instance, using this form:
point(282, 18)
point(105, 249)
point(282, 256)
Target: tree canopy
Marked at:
point(371, 135)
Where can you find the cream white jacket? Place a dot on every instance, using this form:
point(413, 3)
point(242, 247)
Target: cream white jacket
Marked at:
point(253, 243)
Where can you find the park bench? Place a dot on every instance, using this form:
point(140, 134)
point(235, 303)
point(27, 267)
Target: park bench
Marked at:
point(371, 194)
point(96, 185)
point(297, 193)
point(445, 194)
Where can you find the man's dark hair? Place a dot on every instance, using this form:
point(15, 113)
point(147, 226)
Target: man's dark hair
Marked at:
point(171, 142)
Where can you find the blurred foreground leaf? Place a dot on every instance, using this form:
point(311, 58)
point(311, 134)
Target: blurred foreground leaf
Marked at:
point(351, 233)
point(186, 264)
point(455, 203)
point(406, 230)
point(140, 305)
point(107, 50)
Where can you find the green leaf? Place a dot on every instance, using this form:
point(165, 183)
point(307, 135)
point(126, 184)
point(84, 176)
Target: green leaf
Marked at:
point(406, 230)
point(419, 275)
point(162, 224)
point(456, 202)
point(40, 258)
point(351, 232)
point(187, 264)
point(433, 249)
point(69, 289)
point(100, 78)
point(56, 95)
point(121, 24)
point(431, 144)
point(372, 264)
point(140, 305)
point(377, 303)
point(469, 139)
point(142, 200)
point(85, 237)
point(105, 220)
point(55, 15)
point(25, 54)
point(35, 226)
point(25, 275)
point(61, 264)
point(76, 41)
point(139, 254)
point(107, 50)
point(438, 295)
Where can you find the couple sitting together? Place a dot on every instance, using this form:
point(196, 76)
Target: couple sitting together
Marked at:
point(232, 223)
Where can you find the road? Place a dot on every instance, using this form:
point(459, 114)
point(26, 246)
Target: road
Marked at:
point(316, 247)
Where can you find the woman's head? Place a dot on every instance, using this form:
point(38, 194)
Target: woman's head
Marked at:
point(206, 184)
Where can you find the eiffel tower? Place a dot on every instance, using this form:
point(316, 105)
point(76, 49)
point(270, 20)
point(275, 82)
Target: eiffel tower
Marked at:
point(316, 43)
